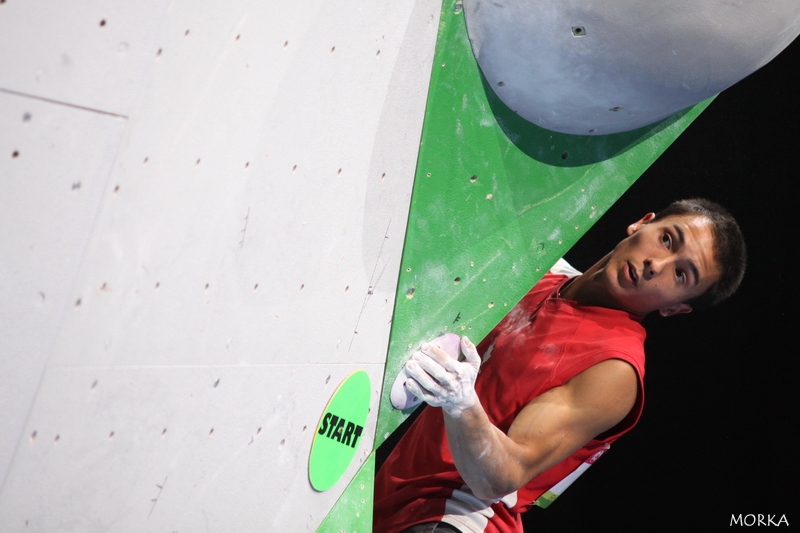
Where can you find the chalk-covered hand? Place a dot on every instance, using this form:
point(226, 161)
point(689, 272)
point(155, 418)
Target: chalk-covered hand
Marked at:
point(443, 381)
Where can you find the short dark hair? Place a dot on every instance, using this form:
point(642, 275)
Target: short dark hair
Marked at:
point(730, 252)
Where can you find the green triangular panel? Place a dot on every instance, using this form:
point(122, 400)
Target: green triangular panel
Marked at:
point(496, 201)
point(352, 513)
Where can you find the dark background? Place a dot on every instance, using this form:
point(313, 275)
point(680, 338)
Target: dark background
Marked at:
point(718, 432)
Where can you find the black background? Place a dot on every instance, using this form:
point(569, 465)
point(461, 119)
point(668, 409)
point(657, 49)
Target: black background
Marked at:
point(717, 437)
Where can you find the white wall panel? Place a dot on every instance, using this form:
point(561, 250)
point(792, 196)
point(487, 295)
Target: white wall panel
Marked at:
point(248, 228)
point(217, 448)
point(54, 165)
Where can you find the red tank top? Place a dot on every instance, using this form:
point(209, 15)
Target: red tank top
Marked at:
point(542, 343)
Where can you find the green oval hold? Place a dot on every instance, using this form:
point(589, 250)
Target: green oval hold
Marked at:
point(339, 431)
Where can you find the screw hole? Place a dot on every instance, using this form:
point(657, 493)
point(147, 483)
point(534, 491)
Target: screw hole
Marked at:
point(578, 31)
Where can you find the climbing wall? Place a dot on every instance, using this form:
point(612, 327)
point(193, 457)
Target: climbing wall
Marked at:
point(204, 206)
point(210, 225)
point(496, 202)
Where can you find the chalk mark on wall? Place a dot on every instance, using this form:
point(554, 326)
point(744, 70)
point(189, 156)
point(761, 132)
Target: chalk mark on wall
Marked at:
point(244, 229)
point(155, 500)
point(372, 282)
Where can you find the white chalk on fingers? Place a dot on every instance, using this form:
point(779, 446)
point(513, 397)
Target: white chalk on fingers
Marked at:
point(400, 396)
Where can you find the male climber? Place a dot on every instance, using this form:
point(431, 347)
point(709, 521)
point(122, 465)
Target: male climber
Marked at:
point(561, 378)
